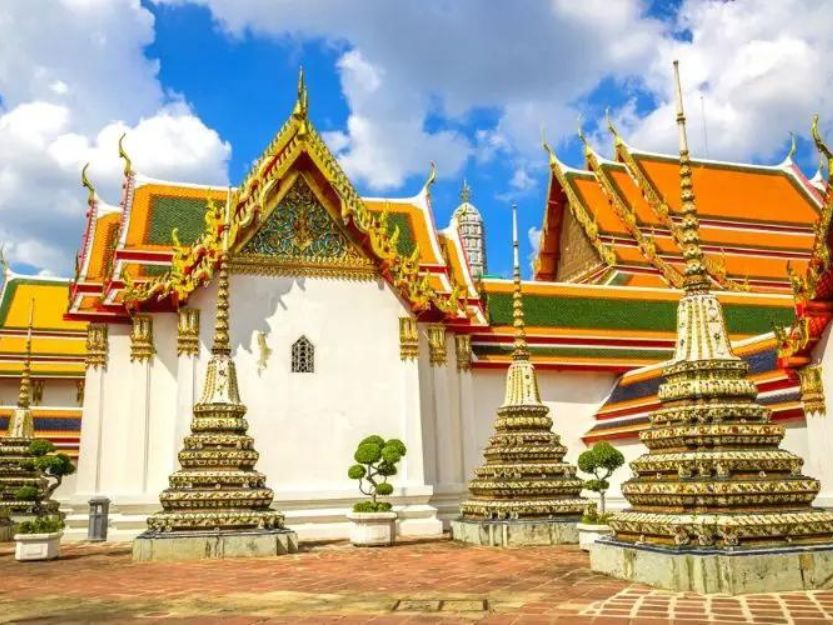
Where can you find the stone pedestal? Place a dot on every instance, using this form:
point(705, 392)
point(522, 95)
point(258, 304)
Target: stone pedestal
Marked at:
point(717, 571)
point(172, 546)
point(519, 533)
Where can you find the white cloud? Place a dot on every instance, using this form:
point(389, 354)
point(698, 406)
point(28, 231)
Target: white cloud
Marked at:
point(408, 62)
point(72, 79)
point(761, 69)
point(534, 235)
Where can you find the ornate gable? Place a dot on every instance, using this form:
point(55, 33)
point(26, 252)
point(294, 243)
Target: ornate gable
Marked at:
point(299, 236)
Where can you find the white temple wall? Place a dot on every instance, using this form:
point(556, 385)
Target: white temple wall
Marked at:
point(162, 415)
point(307, 425)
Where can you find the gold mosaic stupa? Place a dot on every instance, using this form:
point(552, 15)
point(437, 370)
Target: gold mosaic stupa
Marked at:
point(525, 476)
point(714, 477)
point(217, 488)
point(16, 468)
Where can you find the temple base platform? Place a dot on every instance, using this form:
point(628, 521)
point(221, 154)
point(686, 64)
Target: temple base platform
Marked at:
point(172, 546)
point(518, 533)
point(716, 571)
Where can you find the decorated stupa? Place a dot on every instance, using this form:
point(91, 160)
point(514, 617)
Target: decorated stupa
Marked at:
point(217, 504)
point(17, 469)
point(525, 493)
point(714, 486)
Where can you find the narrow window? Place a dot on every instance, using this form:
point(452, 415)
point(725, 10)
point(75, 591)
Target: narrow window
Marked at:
point(303, 356)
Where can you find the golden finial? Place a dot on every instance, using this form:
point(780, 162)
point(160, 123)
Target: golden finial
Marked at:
point(695, 269)
point(85, 182)
point(465, 192)
point(552, 160)
point(432, 177)
point(821, 145)
point(128, 164)
point(26, 375)
point(793, 149)
point(588, 151)
point(301, 104)
point(617, 138)
point(520, 349)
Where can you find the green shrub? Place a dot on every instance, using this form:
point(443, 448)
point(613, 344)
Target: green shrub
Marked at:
point(41, 525)
point(26, 493)
point(601, 460)
point(377, 460)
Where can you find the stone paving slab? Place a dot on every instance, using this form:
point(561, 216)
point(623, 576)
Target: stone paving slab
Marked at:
point(411, 583)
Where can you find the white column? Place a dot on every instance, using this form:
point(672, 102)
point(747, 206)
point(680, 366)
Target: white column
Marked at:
point(138, 426)
point(88, 481)
point(471, 453)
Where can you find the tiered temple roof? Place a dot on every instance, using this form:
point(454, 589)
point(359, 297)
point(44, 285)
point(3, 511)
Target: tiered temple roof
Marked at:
point(610, 238)
point(58, 352)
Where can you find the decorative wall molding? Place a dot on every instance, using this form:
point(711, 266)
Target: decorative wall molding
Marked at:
point(37, 392)
point(80, 385)
point(97, 345)
point(812, 390)
point(436, 344)
point(188, 332)
point(141, 338)
point(408, 338)
point(462, 345)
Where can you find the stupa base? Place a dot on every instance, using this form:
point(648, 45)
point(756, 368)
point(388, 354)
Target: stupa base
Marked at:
point(171, 546)
point(520, 533)
point(712, 571)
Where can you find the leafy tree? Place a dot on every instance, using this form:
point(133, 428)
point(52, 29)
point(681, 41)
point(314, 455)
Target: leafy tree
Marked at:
point(53, 466)
point(601, 460)
point(376, 461)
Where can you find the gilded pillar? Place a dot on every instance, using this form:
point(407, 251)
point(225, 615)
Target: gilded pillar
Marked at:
point(187, 349)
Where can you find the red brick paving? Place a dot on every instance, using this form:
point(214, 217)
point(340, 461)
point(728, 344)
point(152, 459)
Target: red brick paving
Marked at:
point(412, 583)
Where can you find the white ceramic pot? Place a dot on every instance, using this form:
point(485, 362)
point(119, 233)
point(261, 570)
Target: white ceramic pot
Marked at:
point(37, 546)
point(588, 533)
point(372, 529)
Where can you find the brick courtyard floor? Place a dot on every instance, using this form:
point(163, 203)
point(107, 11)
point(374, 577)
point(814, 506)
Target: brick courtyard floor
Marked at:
point(415, 583)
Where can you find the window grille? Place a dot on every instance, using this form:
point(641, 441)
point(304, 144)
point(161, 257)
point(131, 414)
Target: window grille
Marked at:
point(303, 356)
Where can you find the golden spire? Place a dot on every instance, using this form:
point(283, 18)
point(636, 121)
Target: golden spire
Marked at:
point(432, 177)
point(465, 192)
point(128, 164)
point(85, 182)
point(617, 138)
point(793, 149)
point(552, 159)
point(695, 280)
point(302, 102)
point(26, 375)
point(520, 349)
point(221, 344)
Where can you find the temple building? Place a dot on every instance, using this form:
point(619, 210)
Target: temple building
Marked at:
point(353, 315)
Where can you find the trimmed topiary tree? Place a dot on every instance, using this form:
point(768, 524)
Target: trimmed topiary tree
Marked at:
point(376, 461)
point(52, 466)
point(601, 460)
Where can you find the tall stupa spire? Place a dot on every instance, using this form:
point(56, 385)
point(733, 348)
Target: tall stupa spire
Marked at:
point(21, 424)
point(525, 477)
point(695, 279)
point(520, 350)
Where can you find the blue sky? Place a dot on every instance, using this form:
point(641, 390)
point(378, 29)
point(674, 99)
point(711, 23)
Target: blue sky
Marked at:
point(201, 86)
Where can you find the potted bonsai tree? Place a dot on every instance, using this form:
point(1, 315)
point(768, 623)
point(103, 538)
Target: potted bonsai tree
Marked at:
point(373, 522)
point(40, 537)
point(600, 461)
